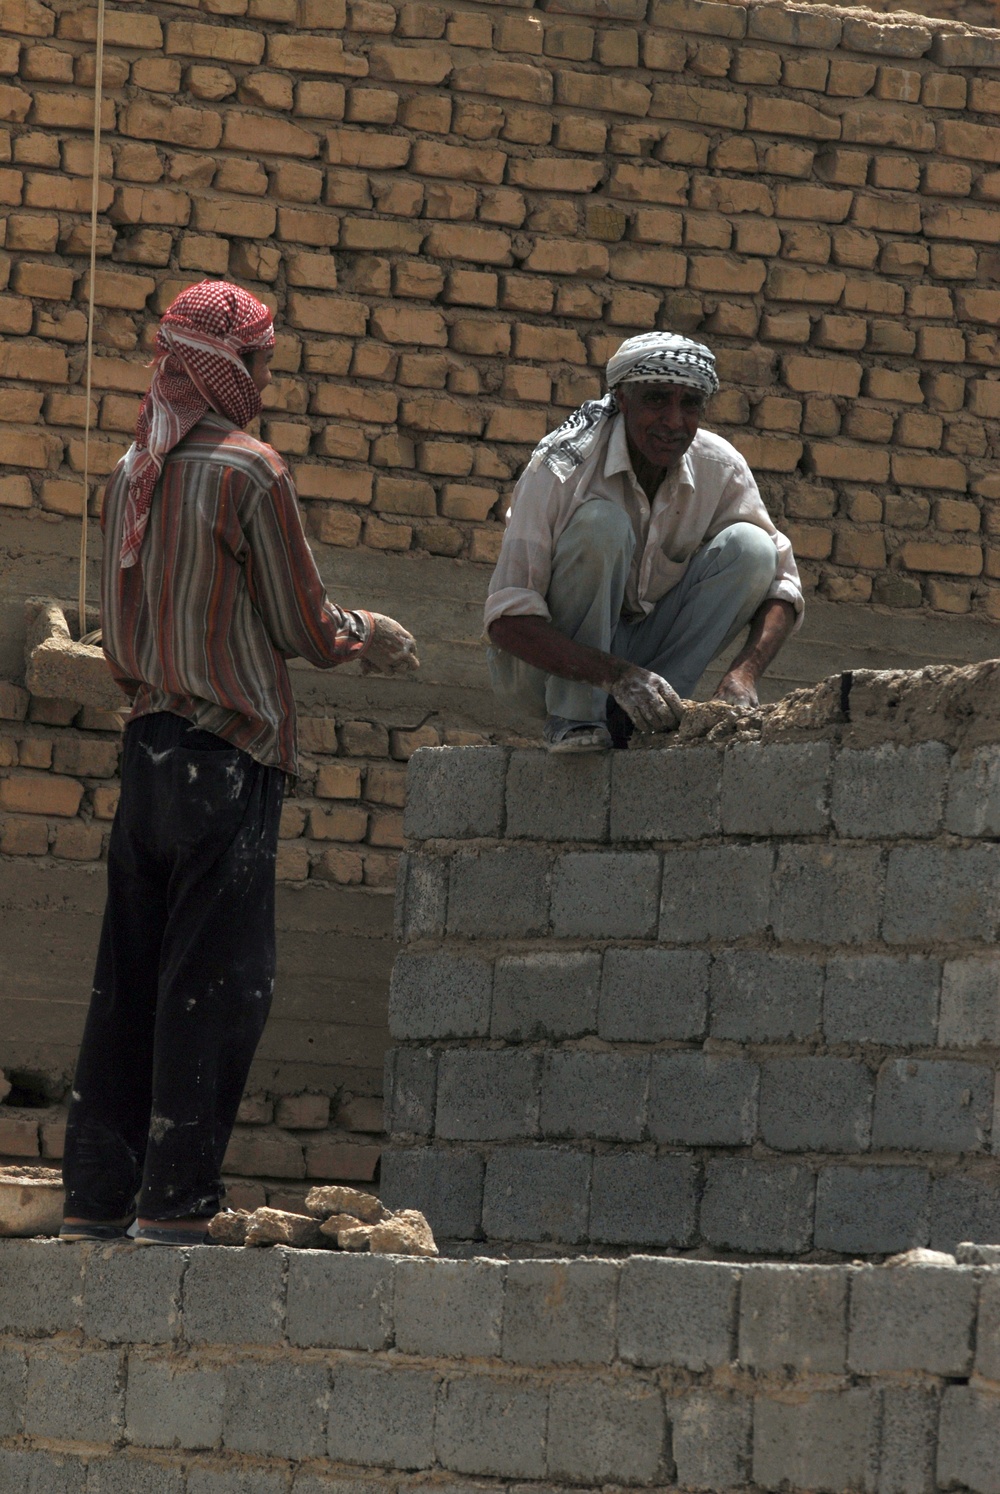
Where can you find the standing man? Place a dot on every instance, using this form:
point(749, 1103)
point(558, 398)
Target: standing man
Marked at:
point(208, 586)
point(637, 548)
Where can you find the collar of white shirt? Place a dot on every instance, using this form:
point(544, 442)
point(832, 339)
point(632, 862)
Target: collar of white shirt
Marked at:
point(617, 459)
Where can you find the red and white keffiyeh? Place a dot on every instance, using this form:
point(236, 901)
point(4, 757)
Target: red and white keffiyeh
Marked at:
point(197, 366)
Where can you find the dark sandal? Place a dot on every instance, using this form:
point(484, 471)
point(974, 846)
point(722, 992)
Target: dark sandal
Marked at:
point(152, 1234)
point(93, 1232)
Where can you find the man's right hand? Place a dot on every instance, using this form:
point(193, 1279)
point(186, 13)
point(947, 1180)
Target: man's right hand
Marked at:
point(392, 649)
point(647, 698)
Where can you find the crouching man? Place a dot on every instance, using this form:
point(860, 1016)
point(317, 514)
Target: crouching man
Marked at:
point(637, 548)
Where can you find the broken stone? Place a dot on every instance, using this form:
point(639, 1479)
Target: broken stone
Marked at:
point(970, 1254)
point(58, 668)
point(229, 1227)
point(404, 1233)
point(5, 1086)
point(276, 1227)
point(31, 1201)
point(331, 1227)
point(921, 1257)
point(334, 1199)
point(355, 1237)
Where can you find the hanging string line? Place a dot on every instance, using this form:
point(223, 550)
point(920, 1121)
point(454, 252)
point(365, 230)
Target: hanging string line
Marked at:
point(95, 184)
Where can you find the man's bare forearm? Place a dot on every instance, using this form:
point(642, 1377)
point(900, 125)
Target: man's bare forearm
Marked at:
point(540, 643)
point(771, 625)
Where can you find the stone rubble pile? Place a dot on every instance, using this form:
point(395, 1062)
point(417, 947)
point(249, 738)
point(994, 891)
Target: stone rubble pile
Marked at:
point(338, 1218)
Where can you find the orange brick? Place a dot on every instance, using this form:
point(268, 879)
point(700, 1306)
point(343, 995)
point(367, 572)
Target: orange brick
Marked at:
point(24, 837)
point(337, 780)
point(849, 463)
point(299, 52)
point(40, 793)
point(956, 560)
point(78, 842)
point(386, 829)
point(345, 867)
point(929, 472)
point(381, 536)
point(385, 785)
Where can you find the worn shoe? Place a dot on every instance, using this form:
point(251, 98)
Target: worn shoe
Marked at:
point(93, 1232)
point(154, 1234)
point(576, 736)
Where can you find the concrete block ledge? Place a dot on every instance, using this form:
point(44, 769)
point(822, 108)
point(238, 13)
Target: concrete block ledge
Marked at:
point(216, 1371)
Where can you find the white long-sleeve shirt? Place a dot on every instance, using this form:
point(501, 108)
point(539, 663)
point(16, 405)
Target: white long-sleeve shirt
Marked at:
point(712, 488)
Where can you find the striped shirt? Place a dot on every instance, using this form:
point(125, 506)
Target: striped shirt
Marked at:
point(224, 591)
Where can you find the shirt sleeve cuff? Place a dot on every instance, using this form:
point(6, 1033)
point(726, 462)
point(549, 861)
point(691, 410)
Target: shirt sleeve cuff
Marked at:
point(514, 601)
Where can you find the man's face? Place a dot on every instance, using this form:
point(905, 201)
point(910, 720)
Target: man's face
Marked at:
point(661, 420)
point(258, 367)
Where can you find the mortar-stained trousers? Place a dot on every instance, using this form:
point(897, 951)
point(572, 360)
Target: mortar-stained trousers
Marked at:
point(184, 975)
point(723, 586)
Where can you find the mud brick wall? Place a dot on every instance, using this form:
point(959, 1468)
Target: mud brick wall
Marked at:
point(737, 997)
point(458, 211)
point(222, 1371)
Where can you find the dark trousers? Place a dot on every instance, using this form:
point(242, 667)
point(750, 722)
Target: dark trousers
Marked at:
point(184, 977)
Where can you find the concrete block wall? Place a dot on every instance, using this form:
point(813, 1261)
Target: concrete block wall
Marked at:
point(273, 1372)
point(739, 997)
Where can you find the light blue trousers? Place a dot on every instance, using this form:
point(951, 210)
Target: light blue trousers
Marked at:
point(724, 584)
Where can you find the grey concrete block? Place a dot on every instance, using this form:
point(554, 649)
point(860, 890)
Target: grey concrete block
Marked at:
point(760, 997)
point(500, 892)
point(636, 1199)
point(876, 999)
point(605, 895)
point(449, 1308)
point(988, 1327)
point(691, 909)
point(889, 790)
point(794, 1317)
point(74, 1397)
point(487, 1095)
point(669, 795)
point(560, 1312)
point(677, 1313)
point(969, 1441)
point(339, 1301)
point(276, 1409)
point(916, 1318)
point(446, 1185)
point(558, 798)
point(702, 1099)
point(41, 1287)
point(651, 994)
point(439, 995)
point(382, 1416)
point(710, 1434)
point(536, 1193)
point(545, 994)
point(594, 1094)
point(776, 789)
point(410, 1091)
point(826, 1441)
point(758, 1206)
point(492, 1427)
point(907, 1444)
point(606, 1432)
point(455, 793)
point(133, 1295)
point(872, 1210)
point(421, 907)
point(24, 1472)
point(131, 1473)
point(201, 1480)
point(235, 1296)
point(816, 1104)
point(964, 1209)
point(970, 1004)
point(827, 894)
point(13, 1382)
point(974, 794)
point(933, 1105)
point(173, 1405)
point(942, 894)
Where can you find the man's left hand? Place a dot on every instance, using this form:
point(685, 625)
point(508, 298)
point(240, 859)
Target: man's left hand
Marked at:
point(738, 688)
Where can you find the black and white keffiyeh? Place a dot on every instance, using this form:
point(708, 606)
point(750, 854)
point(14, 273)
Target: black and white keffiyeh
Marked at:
point(651, 358)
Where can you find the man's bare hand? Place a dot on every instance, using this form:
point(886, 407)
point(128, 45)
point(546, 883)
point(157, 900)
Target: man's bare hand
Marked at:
point(738, 688)
point(647, 698)
point(392, 649)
